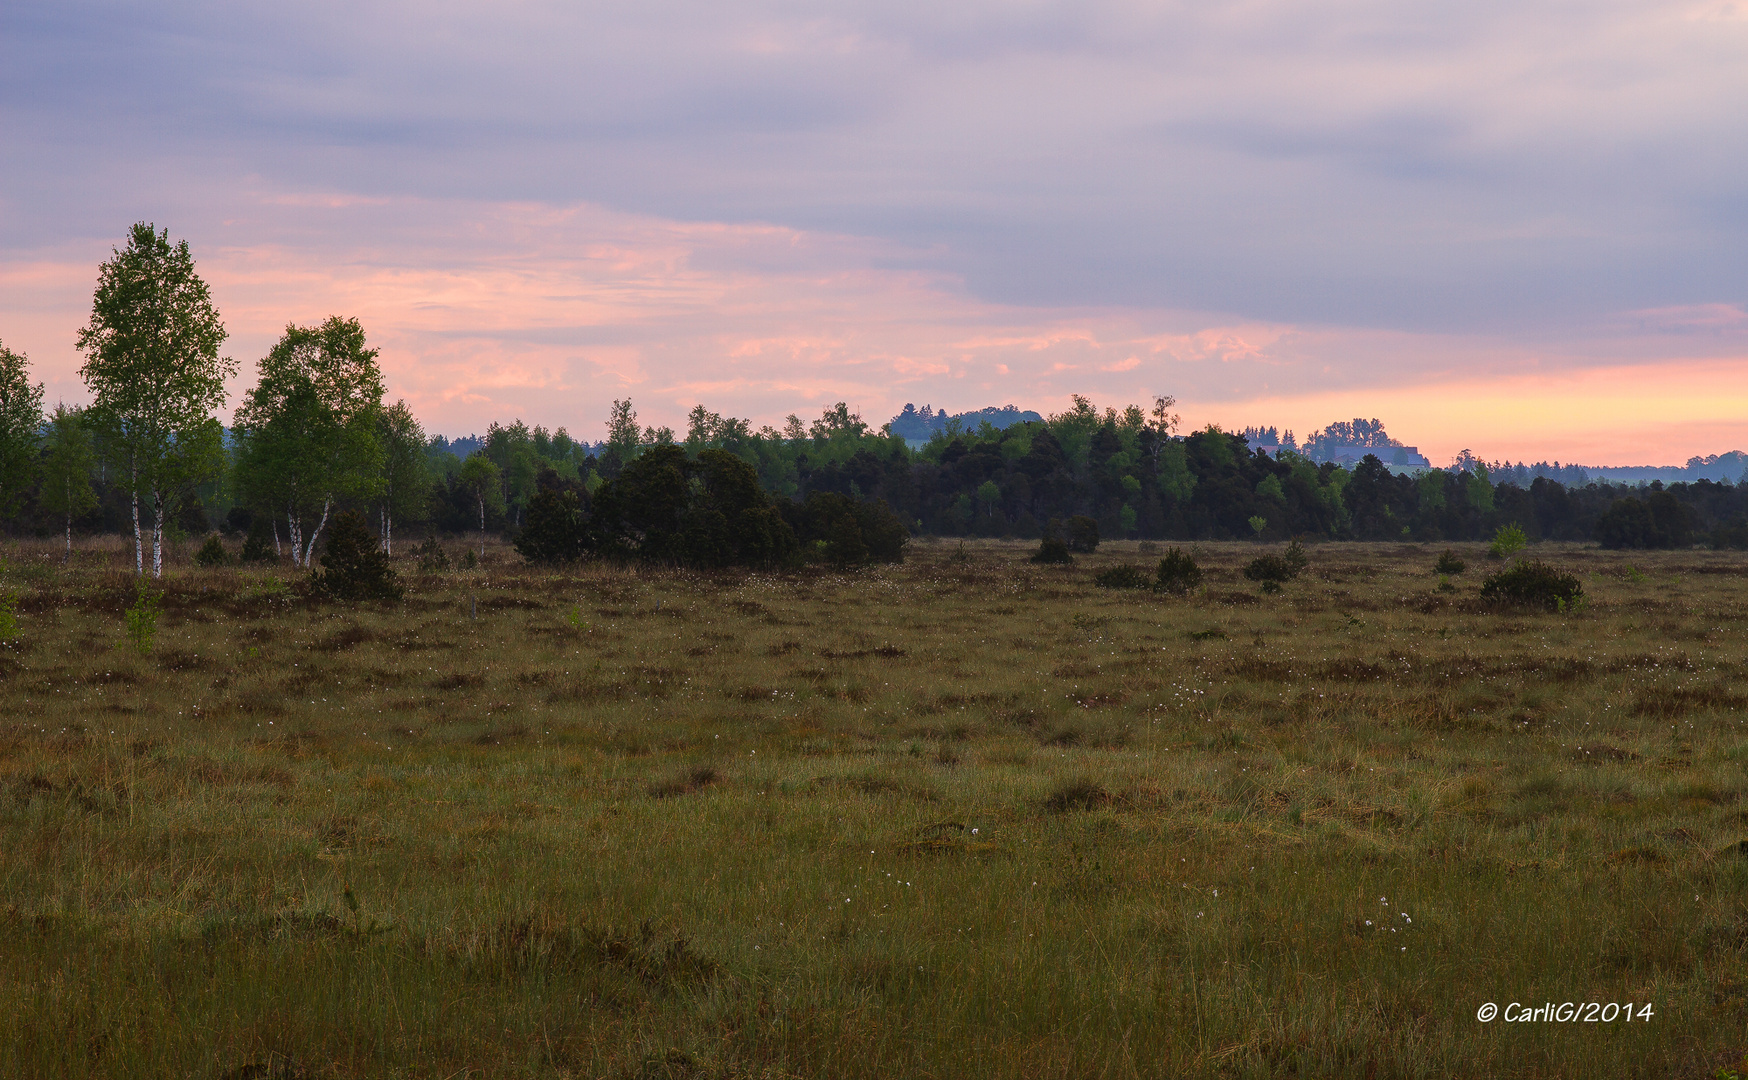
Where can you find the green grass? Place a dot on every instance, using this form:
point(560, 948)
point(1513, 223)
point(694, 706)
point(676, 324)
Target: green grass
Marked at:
point(964, 817)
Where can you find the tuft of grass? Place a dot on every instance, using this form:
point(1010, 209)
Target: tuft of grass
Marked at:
point(1076, 795)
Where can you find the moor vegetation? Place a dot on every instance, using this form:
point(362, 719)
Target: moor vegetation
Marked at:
point(965, 815)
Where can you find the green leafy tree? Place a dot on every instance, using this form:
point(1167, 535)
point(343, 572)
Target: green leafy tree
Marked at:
point(481, 479)
point(67, 460)
point(156, 378)
point(20, 420)
point(406, 472)
point(624, 438)
point(308, 431)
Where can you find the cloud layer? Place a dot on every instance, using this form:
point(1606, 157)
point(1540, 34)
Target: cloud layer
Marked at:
point(1262, 207)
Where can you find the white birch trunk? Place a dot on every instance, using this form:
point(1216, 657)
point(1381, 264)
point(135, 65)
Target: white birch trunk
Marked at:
point(294, 536)
point(310, 550)
point(134, 502)
point(482, 527)
point(157, 533)
point(277, 553)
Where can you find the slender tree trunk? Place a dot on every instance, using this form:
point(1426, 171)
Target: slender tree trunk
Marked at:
point(294, 536)
point(277, 553)
point(310, 551)
point(134, 502)
point(482, 527)
point(157, 533)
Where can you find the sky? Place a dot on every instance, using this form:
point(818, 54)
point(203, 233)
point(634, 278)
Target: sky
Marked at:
point(1518, 228)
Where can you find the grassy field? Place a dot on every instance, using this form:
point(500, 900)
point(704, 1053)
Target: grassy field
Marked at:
point(966, 817)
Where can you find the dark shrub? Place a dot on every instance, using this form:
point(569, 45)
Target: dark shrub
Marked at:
point(1270, 568)
point(1178, 573)
point(1052, 550)
point(259, 547)
point(556, 532)
point(431, 556)
point(238, 519)
point(665, 507)
point(1123, 577)
point(1083, 534)
point(1533, 584)
point(1295, 558)
point(212, 553)
point(848, 532)
point(1449, 563)
point(354, 566)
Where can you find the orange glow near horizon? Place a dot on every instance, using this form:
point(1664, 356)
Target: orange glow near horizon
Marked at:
point(550, 314)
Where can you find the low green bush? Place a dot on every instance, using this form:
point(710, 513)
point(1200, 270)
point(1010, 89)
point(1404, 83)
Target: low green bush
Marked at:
point(1177, 573)
point(1052, 550)
point(1270, 568)
point(1533, 584)
point(1508, 540)
point(1449, 563)
point(432, 558)
point(212, 553)
point(354, 566)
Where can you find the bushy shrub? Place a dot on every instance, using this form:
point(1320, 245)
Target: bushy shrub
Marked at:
point(556, 532)
point(1295, 558)
point(259, 547)
point(1270, 568)
point(1083, 534)
point(1533, 584)
point(354, 566)
point(847, 532)
point(1123, 577)
point(664, 507)
point(432, 558)
point(1177, 573)
point(1052, 550)
point(212, 553)
point(1507, 540)
point(1449, 563)
point(141, 619)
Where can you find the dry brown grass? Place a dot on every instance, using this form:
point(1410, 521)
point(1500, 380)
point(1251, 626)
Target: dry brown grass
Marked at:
point(964, 817)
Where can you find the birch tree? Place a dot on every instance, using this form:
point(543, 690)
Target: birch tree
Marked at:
point(481, 478)
point(406, 474)
point(307, 433)
point(67, 462)
point(156, 378)
point(20, 419)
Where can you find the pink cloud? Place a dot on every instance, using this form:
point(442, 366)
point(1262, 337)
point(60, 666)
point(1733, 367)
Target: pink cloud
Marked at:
point(490, 311)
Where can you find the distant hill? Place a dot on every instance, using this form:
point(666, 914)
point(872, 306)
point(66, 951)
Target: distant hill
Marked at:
point(920, 425)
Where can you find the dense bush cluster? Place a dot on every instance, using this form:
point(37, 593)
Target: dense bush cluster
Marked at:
point(1532, 583)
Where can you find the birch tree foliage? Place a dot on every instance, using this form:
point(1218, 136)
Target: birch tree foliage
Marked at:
point(156, 378)
point(482, 479)
point(20, 417)
point(307, 433)
point(67, 461)
point(406, 473)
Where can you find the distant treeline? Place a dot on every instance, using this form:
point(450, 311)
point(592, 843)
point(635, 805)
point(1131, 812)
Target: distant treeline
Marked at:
point(315, 437)
point(1128, 470)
